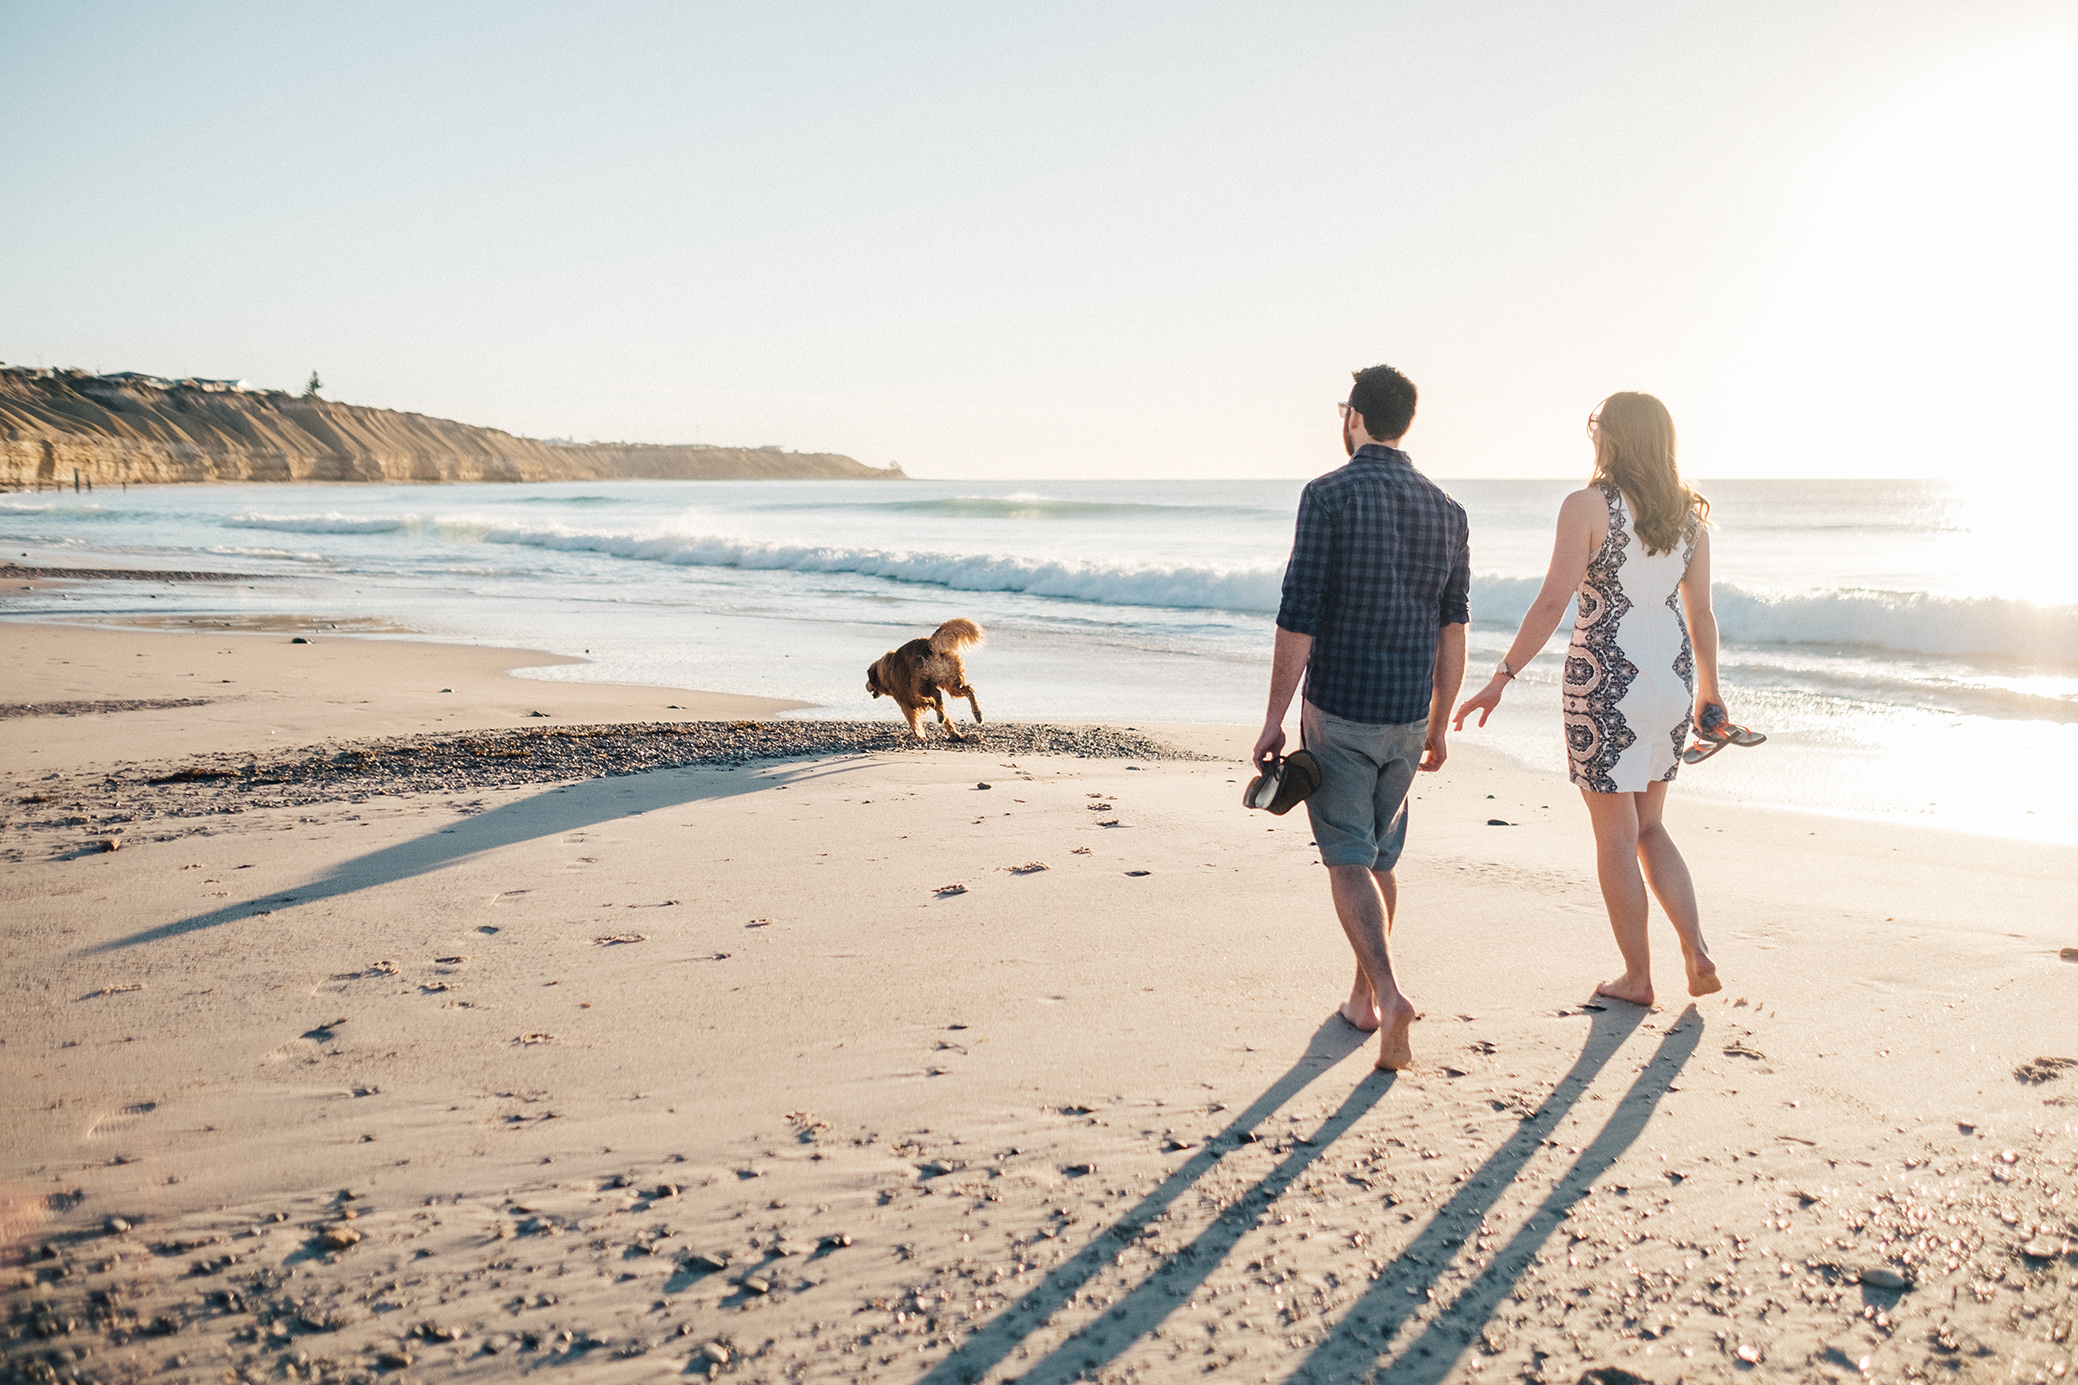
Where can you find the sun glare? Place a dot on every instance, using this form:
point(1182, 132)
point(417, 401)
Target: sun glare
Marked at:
point(1929, 334)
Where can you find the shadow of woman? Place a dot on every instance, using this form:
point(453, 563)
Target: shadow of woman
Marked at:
point(567, 808)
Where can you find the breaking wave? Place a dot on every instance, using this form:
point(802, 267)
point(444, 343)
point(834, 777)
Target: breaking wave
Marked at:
point(1900, 622)
point(332, 523)
point(1236, 589)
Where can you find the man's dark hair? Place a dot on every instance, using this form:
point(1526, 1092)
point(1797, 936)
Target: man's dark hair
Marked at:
point(1386, 400)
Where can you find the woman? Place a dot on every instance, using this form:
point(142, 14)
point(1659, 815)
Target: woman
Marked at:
point(1635, 547)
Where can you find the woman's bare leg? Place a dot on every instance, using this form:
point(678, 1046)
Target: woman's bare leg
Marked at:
point(1667, 873)
point(1615, 818)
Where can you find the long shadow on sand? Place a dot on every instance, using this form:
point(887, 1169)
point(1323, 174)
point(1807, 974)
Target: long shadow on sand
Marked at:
point(568, 808)
point(1335, 1040)
point(1344, 1355)
point(1356, 1348)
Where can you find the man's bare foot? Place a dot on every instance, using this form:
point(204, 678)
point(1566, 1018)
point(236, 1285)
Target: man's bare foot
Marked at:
point(1623, 988)
point(1702, 977)
point(1361, 1009)
point(1394, 1052)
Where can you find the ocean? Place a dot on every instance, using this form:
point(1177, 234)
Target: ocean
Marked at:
point(1909, 647)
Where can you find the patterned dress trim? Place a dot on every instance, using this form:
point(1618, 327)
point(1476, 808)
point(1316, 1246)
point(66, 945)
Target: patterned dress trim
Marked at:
point(1597, 673)
point(1685, 661)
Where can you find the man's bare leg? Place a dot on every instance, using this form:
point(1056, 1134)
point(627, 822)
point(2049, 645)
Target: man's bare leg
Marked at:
point(1615, 818)
point(1363, 899)
point(1667, 874)
point(1361, 1009)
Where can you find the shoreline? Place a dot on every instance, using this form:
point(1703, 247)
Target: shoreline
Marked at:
point(636, 702)
point(851, 1068)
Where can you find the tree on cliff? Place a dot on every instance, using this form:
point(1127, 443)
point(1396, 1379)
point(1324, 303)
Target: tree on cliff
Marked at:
point(313, 386)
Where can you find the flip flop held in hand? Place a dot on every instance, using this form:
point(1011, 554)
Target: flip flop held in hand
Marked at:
point(1714, 733)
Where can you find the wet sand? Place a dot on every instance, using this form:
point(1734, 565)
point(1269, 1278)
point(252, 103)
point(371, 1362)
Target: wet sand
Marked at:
point(845, 1067)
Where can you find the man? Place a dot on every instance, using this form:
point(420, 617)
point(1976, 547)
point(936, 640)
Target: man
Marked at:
point(1374, 614)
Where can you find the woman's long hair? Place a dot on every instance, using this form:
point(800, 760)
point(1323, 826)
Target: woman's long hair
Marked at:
point(1634, 452)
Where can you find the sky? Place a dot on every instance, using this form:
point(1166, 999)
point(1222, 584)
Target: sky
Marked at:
point(1077, 240)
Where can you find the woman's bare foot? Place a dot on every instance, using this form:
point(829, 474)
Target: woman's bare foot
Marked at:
point(1394, 1052)
point(1624, 988)
point(1702, 976)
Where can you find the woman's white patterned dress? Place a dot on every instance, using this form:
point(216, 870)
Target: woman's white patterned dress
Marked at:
point(1630, 676)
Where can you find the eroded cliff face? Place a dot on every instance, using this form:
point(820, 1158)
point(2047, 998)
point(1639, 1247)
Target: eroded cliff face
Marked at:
point(112, 429)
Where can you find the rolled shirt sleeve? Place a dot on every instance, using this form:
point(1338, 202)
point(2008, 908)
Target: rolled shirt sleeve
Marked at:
point(1454, 607)
point(1306, 576)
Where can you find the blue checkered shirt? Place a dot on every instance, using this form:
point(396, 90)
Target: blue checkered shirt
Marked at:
point(1382, 560)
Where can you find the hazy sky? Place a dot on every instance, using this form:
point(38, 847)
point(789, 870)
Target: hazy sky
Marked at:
point(1076, 239)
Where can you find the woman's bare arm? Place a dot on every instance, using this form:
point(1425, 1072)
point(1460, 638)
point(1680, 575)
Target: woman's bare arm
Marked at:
point(1702, 624)
point(1582, 526)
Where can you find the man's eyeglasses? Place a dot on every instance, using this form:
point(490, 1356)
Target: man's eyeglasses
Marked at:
point(1343, 409)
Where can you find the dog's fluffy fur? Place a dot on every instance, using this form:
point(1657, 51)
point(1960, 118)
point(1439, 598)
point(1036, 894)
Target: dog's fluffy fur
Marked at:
point(921, 672)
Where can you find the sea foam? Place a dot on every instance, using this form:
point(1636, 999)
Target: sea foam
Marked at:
point(1922, 623)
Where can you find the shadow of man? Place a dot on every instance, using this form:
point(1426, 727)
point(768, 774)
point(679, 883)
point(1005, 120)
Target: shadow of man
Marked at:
point(1335, 1040)
point(567, 808)
point(1352, 1351)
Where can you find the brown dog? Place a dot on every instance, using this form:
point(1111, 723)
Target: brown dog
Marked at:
point(921, 672)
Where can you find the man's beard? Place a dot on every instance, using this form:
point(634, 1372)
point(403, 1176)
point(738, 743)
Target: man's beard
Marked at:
point(1348, 439)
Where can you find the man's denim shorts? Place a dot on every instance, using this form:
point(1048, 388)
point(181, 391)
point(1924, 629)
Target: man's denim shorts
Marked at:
point(1359, 812)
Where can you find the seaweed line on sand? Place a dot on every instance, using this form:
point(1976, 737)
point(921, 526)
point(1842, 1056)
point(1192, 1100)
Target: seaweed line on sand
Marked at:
point(467, 760)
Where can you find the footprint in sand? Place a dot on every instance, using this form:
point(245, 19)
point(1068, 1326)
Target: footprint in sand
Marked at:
point(308, 1046)
point(118, 1121)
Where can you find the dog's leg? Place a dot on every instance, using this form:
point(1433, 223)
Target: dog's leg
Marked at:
point(968, 692)
point(952, 733)
point(909, 715)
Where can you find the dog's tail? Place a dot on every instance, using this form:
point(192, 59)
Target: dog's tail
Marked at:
point(955, 634)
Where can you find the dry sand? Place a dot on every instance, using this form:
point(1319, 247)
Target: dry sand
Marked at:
point(708, 1069)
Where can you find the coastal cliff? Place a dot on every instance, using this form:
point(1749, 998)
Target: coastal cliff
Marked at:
point(140, 429)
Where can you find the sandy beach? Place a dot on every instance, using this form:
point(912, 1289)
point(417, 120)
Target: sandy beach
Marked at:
point(714, 1050)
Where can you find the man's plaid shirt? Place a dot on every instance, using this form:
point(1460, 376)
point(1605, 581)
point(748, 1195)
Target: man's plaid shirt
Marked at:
point(1381, 562)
